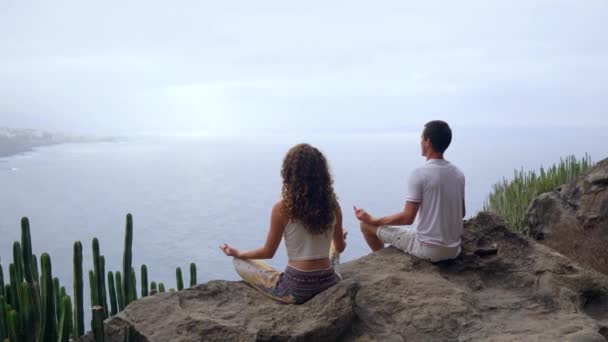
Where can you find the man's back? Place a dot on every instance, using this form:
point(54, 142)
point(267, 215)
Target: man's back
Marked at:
point(439, 187)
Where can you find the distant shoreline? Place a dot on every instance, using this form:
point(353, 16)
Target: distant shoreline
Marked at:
point(18, 141)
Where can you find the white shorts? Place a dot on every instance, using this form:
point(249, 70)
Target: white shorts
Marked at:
point(405, 239)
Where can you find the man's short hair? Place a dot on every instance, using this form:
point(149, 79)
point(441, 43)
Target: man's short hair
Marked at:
point(440, 134)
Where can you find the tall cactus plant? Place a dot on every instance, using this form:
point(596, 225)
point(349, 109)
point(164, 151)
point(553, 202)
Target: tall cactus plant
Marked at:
point(120, 298)
point(179, 278)
point(48, 329)
point(14, 294)
point(112, 288)
point(193, 281)
point(127, 260)
point(2, 293)
point(57, 293)
point(133, 289)
point(3, 318)
point(144, 281)
point(97, 324)
point(17, 262)
point(26, 251)
point(28, 313)
point(13, 326)
point(103, 290)
point(78, 294)
point(65, 322)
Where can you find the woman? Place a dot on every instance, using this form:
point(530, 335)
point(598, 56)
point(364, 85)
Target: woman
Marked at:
point(308, 216)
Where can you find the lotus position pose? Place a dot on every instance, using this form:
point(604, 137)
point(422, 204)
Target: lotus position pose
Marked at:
point(309, 218)
point(435, 194)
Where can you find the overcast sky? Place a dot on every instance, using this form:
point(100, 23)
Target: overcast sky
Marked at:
point(248, 66)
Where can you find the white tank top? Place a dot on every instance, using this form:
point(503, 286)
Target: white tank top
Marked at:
point(302, 245)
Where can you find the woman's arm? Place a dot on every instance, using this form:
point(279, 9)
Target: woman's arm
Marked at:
point(339, 237)
point(278, 221)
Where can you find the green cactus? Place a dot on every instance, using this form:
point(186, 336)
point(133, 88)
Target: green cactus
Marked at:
point(112, 288)
point(119, 294)
point(127, 260)
point(17, 262)
point(180, 279)
point(129, 334)
point(97, 324)
point(103, 289)
point(78, 294)
point(133, 290)
point(26, 251)
point(57, 293)
point(93, 288)
point(153, 288)
point(13, 326)
point(3, 319)
point(161, 287)
point(48, 329)
point(65, 322)
point(2, 293)
point(144, 281)
point(27, 312)
point(193, 281)
point(97, 270)
point(14, 294)
point(35, 273)
point(171, 290)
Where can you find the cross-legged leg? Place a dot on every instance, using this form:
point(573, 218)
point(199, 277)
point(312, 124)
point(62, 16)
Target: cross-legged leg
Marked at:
point(371, 237)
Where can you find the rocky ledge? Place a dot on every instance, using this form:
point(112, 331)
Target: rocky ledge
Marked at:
point(519, 291)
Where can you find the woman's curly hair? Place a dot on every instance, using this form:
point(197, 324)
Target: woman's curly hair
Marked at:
point(308, 191)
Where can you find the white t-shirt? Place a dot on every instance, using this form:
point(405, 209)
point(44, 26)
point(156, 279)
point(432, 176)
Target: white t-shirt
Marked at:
point(439, 188)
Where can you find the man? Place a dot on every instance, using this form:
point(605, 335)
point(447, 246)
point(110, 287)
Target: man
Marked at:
point(435, 194)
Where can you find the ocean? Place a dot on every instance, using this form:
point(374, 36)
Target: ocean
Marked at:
point(188, 195)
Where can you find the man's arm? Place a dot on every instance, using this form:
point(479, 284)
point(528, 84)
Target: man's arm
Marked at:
point(405, 217)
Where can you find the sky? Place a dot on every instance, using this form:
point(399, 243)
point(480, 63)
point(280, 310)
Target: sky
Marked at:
point(236, 67)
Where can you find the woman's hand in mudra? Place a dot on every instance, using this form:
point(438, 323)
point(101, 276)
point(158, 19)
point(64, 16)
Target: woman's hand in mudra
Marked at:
point(230, 251)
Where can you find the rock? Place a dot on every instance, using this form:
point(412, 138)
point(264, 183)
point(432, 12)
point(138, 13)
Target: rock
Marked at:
point(573, 219)
point(523, 292)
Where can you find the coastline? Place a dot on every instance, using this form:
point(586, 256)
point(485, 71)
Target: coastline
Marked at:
point(15, 142)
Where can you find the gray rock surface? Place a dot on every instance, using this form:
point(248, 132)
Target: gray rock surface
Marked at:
point(573, 219)
point(524, 292)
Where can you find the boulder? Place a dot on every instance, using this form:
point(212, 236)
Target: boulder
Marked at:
point(523, 292)
point(573, 219)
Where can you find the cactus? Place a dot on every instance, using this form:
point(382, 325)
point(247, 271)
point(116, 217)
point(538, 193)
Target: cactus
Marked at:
point(153, 288)
point(112, 288)
point(27, 312)
point(133, 289)
point(104, 293)
point(3, 319)
point(26, 251)
point(57, 293)
point(13, 326)
point(93, 288)
point(14, 293)
point(127, 260)
point(78, 294)
point(17, 262)
point(48, 328)
point(35, 273)
point(161, 287)
point(97, 270)
point(65, 323)
point(144, 281)
point(2, 293)
point(129, 334)
point(180, 279)
point(192, 274)
point(97, 324)
point(119, 294)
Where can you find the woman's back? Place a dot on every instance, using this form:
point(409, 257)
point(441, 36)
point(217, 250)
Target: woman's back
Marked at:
point(303, 245)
